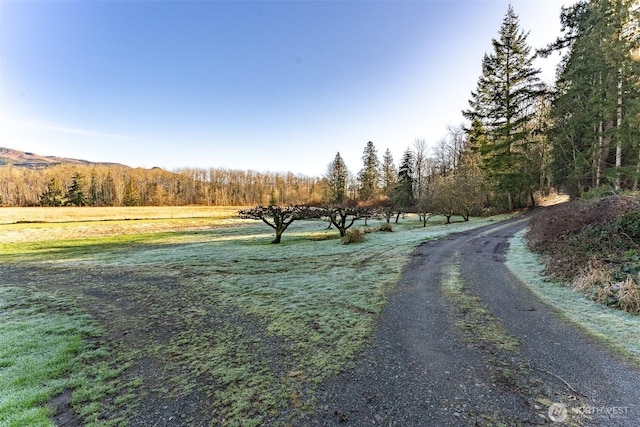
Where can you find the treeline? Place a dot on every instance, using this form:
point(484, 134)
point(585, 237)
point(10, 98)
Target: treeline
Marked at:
point(99, 185)
point(447, 183)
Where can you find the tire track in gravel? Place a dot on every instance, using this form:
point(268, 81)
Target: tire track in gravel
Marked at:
point(430, 366)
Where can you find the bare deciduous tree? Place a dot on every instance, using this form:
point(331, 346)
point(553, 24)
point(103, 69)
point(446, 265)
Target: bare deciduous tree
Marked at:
point(280, 218)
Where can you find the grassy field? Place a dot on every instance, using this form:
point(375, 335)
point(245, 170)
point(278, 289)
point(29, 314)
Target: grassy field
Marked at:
point(197, 317)
point(76, 214)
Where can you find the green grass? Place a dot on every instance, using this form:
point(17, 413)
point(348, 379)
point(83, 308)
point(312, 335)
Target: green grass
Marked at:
point(617, 328)
point(223, 314)
point(39, 347)
point(76, 249)
point(478, 324)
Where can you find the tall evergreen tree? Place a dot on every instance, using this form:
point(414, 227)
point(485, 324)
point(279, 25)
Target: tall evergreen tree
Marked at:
point(389, 173)
point(54, 194)
point(370, 175)
point(403, 196)
point(503, 103)
point(75, 193)
point(336, 180)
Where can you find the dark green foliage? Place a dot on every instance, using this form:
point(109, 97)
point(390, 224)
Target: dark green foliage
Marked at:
point(597, 100)
point(53, 195)
point(389, 173)
point(629, 224)
point(502, 106)
point(75, 194)
point(575, 233)
point(369, 177)
point(94, 191)
point(108, 193)
point(402, 195)
point(336, 180)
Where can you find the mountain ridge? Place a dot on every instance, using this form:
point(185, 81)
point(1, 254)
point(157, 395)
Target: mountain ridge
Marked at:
point(29, 160)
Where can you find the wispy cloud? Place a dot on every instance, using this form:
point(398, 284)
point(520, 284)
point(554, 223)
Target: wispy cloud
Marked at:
point(65, 129)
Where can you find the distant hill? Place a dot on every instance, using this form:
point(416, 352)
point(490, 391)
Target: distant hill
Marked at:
point(9, 156)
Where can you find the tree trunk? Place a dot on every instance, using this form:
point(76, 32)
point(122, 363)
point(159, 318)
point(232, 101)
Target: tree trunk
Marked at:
point(598, 157)
point(619, 125)
point(635, 180)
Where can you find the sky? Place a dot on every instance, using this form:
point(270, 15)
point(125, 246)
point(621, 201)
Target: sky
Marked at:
point(278, 86)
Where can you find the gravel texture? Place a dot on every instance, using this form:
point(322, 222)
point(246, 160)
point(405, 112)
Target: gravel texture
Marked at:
point(425, 369)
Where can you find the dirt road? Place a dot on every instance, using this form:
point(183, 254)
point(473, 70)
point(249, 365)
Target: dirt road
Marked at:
point(462, 342)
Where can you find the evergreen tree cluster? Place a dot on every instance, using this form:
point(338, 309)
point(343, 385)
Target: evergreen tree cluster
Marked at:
point(582, 133)
point(57, 195)
point(595, 113)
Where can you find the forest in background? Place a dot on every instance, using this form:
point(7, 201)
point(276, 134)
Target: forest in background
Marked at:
point(101, 185)
point(521, 137)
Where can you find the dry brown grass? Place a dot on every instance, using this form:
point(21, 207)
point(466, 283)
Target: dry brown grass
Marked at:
point(594, 276)
point(629, 295)
point(353, 236)
point(37, 224)
point(596, 282)
point(10, 215)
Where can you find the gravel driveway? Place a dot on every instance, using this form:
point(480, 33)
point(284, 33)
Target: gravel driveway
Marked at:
point(432, 365)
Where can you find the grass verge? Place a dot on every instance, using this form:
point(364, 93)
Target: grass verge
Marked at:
point(617, 328)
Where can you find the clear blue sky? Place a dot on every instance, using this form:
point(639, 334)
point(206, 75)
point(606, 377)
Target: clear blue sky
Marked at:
point(279, 86)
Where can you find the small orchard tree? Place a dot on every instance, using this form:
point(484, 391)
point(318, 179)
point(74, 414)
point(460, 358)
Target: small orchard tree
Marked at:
point(343, 217)
point(280, 218)
point(425, 206)
point(443, 196)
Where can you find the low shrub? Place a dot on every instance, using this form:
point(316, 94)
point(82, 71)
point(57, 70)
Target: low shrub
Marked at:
point(550, 225)
point(386, 226)
point(595, 246)
point(353, 236)
point(630, 224)
point(597, 192)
